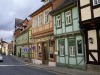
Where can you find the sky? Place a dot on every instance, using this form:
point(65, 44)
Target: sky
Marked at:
point(11, 9)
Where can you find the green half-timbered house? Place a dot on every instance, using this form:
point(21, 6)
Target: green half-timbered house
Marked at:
point(69, 43)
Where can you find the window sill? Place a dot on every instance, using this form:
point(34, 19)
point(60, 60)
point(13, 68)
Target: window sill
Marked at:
point(59, 27)
point(72, 56)
point(69, 25)
point(62, 55)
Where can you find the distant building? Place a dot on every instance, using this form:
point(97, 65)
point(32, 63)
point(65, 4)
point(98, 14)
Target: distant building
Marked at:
point(4, 47)
point(23, 40)
point(16, 32)
point(10, 48)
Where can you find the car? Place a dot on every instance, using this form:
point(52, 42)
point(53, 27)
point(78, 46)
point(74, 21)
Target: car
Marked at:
point(1, 58)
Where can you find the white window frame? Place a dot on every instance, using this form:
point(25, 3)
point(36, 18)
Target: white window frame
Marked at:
point(46, 15)
point(58, 19)
point(61, 49)
point(46, 1)
point(98, 2)
point(68, 17)
point(40, 19)
point(72, 50)
point(35, 21)
point(78, 47)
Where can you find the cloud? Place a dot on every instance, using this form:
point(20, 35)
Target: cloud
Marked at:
point(11, 9)
point(6, 35)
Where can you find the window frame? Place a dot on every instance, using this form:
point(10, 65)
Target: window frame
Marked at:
point(40, 17)
point(98, 2)
point(72, 52)
point(61, 41)
point(46, 15)
point(78, 47)
point(57, 21)
point(67, 16)
point(35, 22)
point(72, 43)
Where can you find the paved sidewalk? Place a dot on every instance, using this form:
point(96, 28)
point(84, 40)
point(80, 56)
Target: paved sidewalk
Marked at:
point(62, 71)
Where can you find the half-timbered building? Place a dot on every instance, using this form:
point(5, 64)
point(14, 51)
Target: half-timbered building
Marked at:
point(68, 39)
point(43, 34)
point(89, 19)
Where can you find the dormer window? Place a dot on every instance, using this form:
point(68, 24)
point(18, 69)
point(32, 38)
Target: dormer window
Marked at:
point(96, 2)
point(46, 1)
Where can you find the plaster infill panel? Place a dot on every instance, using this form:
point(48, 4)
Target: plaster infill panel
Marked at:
point(90, 58)
point(59, 31)
point(95, 55)
point(84, 2)
point(47, 26)
point(92, 34)
point(97, 12)
point(86, 13)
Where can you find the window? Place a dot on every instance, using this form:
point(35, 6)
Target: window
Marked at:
point(71, 44)
point(68, 17)
point(40, 19)
point(96, 2)
point(39, 51)
point(46, 1)
point(58, 21)
point(46, 16)
point(35, 21)
point(79, 46)
point(72, 50)
point(61, 47)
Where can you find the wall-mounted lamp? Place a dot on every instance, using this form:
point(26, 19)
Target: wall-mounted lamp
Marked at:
point(91, 40)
